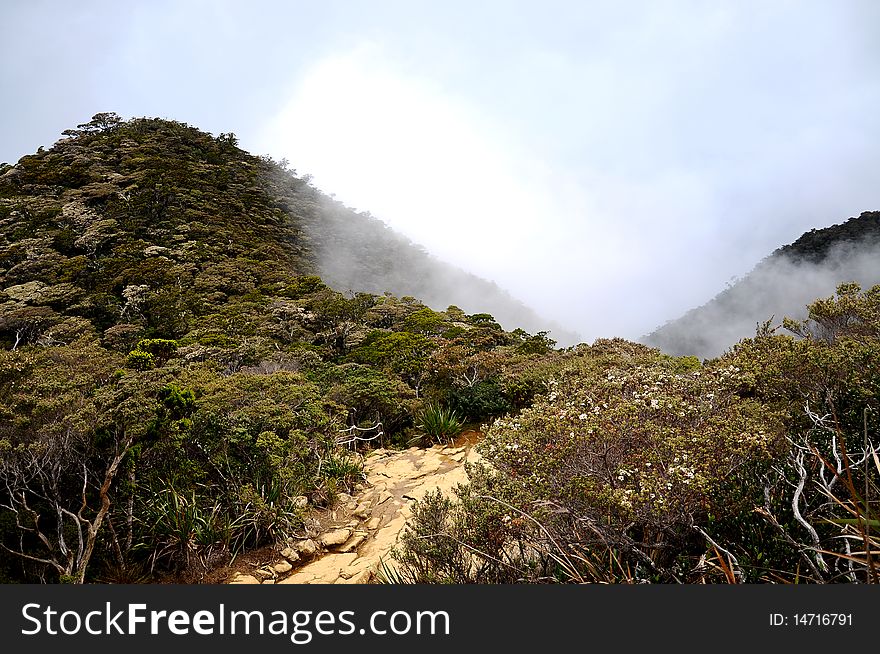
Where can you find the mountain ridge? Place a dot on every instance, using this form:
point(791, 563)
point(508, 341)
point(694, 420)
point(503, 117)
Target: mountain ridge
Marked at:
point(105, 171)
point(779, 286)
point(178, 386)
point(165, 338)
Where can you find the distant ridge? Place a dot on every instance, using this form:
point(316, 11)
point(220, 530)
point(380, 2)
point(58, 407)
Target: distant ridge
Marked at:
point(780, 285)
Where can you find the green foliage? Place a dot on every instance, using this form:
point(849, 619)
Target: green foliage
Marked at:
point(140, 360)
point(177, 402)
point(217, 340)
point(191, 530)
point(852, 314)
point(343, 470)
point(151, 245)
point(181, 528)
point(402, 353)
point(428, 554)
point(151, 352)
point(468, 541)
point(635, 466)
point(815, 245)
point(369, 395)
point(483, 320)
point(683, 365)
point(635, 450)
point(161, 348)
point(482, 400)
point(302, 286)
point(99, 123)
point(540, 343)
point(424, 321)
point(439, 424)
point(162, 298)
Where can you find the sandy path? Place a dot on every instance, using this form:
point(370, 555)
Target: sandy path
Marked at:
point(362, 530)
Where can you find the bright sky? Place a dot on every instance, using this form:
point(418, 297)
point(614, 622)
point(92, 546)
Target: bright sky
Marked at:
point(612, 164)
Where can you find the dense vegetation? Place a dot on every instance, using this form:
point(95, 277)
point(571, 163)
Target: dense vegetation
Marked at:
point(783, 284)
point(761, 465)
point(176, 379)
point(179, 382)
point(817, 245)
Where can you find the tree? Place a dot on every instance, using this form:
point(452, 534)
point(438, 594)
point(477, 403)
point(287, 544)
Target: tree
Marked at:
point(852, 313)
point(100, 122)
point(22, 324)
point(60, 455)
point(338, 317)
point(228, 139)
point(540, 343)
point(39, 480)
point(402, 353)
point(424, 321)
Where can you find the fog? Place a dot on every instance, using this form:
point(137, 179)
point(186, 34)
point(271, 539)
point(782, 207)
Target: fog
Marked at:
point(610, 165)
point(358, 253)
point(777, 288)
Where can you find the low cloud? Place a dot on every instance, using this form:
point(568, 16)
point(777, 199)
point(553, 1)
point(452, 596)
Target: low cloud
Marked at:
point(777, 288)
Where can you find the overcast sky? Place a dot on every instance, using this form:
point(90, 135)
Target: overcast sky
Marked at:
point(612, 164)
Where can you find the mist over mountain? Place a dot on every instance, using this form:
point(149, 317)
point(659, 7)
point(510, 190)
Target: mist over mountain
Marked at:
point(213, 222)
point(355, 251)
point(779, 286)
point(179, 386)
point(162, 319)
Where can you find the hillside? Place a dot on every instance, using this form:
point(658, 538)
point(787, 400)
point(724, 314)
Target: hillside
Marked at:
point(357, 252)
point(781, 285)
point(180, 386)
point(162, 319)
point(160, 205)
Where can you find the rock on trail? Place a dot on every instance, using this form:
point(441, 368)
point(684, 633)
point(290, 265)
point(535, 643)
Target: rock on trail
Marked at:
point(360, 532)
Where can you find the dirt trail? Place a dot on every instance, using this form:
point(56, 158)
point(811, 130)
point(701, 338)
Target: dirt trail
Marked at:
point(351, 541)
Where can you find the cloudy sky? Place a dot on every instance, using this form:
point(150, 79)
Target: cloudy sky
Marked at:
point(612, 164)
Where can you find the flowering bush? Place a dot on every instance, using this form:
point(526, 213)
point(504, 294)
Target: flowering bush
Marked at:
point(634, 456)
point(761, 465)
point(632, 459)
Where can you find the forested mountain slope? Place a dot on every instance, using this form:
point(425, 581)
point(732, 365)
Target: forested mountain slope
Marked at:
point(178, 385)
point(166, 345)
point(157, 217)
point(780, 285)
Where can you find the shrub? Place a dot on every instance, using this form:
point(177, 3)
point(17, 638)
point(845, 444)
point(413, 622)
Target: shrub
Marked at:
point(151, 352)
point(179, 530)
point(482, 400)
point(370, 395)
point(140, 360)
point(161, 348)
point(440, 424)
point(618, 465)
point(217, 340)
